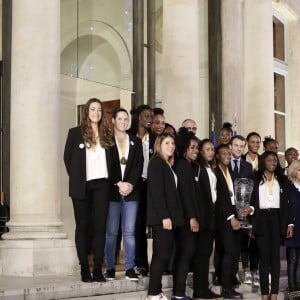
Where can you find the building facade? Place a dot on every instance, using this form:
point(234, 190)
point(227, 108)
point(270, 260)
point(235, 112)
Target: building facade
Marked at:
point(231, 60)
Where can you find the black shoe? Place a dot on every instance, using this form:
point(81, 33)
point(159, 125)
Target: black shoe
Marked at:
point(97, 274)
point(142, 271)
point(209, 294)
point(235, 281)
point(131, 275)
point(231, 294)
point(85, 273)
point(217, 280)
point(110, 274)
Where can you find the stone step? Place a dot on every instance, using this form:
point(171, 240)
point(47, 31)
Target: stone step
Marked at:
point(70, 287)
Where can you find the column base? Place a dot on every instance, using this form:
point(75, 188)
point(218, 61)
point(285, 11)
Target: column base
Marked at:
point(38, 257)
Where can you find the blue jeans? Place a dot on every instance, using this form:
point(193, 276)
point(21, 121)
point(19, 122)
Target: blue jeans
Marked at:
point(127, 211)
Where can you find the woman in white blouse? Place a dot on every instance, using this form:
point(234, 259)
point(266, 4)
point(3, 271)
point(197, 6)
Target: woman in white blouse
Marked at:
point(272, 220)
point(87, 160)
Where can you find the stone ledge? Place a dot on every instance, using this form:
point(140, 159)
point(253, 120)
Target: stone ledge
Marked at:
point(70, 287)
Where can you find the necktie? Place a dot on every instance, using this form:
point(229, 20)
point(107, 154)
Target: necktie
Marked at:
point(235, 169)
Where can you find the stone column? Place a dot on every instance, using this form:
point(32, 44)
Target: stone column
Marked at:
point(35, 244)
point(233, 62)
point(185, 63)
point(258, 67)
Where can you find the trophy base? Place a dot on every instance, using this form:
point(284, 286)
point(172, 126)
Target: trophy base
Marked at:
point(246, 226)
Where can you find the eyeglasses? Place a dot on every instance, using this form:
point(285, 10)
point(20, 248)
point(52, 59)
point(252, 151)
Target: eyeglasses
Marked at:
point(191, 128)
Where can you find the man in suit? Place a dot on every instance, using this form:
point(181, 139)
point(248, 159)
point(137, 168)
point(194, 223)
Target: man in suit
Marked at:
point(239, 168)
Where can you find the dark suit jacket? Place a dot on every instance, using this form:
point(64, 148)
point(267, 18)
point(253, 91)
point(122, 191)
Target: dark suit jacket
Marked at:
point(75, 162)
point(286, 216)
point(162, 197)
point(188, 189)
point(133, 170)
point(245, 170)
point(207, 210)
point(223, 205)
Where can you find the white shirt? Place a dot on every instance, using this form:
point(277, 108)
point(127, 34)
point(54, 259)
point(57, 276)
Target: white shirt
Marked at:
point(96, 165)
point(269, 201)
point(213, 184)
point(146, 144)
point(175, 176)
point(254, 162)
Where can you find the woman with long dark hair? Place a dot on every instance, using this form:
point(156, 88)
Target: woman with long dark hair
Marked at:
point(271, 221)
point(87, 160)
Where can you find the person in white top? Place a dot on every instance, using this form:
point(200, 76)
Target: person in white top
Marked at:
point(87, 162)
point(272, 220)
point(127, 166)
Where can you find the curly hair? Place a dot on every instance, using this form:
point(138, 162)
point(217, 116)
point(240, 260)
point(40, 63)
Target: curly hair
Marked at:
point(104, 129)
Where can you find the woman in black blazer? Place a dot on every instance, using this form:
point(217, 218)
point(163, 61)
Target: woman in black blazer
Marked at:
point(187, 171)
point(226, 222)
point(127, 166)
point(272, 220)
point(87, 160)
point(164, 211)
point(206, 197)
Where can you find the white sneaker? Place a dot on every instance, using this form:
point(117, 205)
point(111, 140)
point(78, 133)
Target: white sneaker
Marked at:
point(248, 278)
point(256, 279)
point(160, 296)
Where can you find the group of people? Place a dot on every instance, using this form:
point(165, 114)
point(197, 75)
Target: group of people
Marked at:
point(152, 176)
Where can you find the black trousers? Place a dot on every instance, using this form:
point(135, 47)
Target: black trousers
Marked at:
point(141, 248)
point(203, 250)
point(231, 240)
point(293, 268)
point(249, 252)
point(185, 249)
point(163, 242)
point(268, 242)
point(91, 214)
point(218, 254)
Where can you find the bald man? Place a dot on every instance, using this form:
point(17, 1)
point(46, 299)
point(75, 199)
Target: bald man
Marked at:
point(190, 125)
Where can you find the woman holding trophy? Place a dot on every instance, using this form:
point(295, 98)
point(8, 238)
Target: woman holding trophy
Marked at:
point(227, 223)
point(271, 221)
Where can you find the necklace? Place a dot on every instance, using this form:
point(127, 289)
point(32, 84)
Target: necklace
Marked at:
point(122, 145)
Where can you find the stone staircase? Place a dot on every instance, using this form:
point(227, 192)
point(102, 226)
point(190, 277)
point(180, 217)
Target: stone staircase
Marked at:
point(71, 288)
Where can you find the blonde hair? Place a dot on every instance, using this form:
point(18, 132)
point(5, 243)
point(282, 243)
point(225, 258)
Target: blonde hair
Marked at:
point(294, 166)
point(157, 147)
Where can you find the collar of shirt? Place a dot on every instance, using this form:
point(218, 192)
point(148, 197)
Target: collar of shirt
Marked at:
point(297, 186)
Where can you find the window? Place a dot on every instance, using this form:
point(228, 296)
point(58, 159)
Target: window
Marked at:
point(280, 84)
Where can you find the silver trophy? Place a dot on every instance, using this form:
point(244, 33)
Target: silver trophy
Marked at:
point(243, 188)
